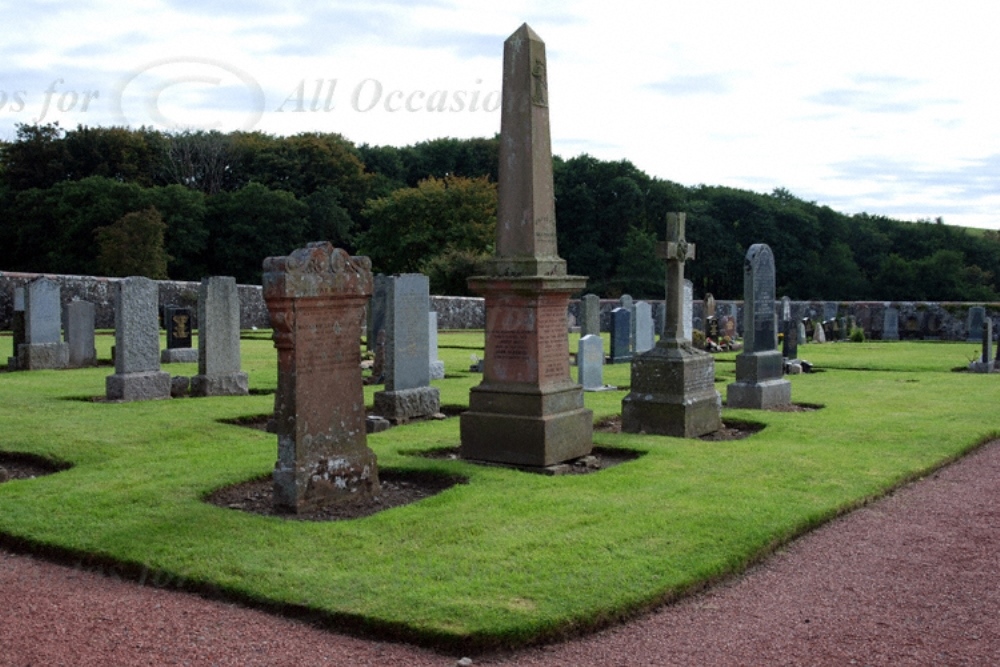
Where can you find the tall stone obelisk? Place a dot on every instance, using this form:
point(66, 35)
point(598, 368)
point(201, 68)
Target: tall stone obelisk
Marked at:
point(673, 385)
point(527, 411)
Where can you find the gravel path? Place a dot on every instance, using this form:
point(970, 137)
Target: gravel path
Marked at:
point(911, 580)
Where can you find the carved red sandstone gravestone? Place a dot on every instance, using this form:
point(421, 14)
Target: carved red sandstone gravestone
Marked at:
point(528, 411)
point(316, 297)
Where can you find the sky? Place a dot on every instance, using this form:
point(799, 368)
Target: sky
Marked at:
point(888, 107)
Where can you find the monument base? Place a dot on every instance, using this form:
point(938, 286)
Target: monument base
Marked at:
point(41, 356)
point(405, 404)
point(229, 384)
point(179, 355)
point(983, 367)
point(437, 370)
point(759, 395)
point(335, 481)
point(673, 393)
point(146, 386)
point(526, 426)
point(759, 384)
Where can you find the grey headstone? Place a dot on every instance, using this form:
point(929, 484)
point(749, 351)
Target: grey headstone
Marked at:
point(759, 368)
point(688, 310)
point(974, 325)
point(786, 309)
point(590, 362)
point(802, 333)
point(17, 327)
point(709, 305)
point(790, 339)
point(219, 371)
point(621, 326)
point(987, 341)
point(376, 309)
point(407, 374)
point(436, 367)
point(590, 315)
point(80, 318)
point(42, 316)
point(42, 347)
point(645, 335)
point(829, 310)
point(137, 375)
point(890, 324)
point(628, 304)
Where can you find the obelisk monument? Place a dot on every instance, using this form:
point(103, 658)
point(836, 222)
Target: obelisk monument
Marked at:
point(673, 385)
point(527, 411)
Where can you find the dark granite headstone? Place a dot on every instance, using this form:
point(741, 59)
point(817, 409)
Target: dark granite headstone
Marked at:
point(759, 383)
point(621, 328)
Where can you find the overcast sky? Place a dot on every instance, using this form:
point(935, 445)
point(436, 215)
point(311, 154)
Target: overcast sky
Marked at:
point(884, 106)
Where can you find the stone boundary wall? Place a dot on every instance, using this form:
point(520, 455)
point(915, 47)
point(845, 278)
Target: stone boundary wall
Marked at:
point(917, 320)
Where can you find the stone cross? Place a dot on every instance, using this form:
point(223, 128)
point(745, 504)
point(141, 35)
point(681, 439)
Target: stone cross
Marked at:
point(676, 250)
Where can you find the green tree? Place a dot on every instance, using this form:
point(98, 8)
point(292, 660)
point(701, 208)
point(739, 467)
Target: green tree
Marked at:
point(640, 272)
point(133, 246)
point(413, 225)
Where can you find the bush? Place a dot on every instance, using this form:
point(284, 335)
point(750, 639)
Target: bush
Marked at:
point(857, 335)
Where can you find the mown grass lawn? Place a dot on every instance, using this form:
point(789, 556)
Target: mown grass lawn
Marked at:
point(508, 558)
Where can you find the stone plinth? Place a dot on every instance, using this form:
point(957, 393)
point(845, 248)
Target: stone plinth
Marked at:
point(527, 411)
point(41, 356)
point(759, 384)
point(316, 297)
point(673, 393)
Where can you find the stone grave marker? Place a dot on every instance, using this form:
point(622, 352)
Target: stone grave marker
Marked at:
point(712, 329)
point(628, 303)
point(688, 310)
point(407, 393)
point(985, 363)
point(802, 339)
point(645, 334)
point(709, 305)
point(80, 318)
point(436, 366)
point(137, 375)
point(974, 324)
point(178, 323)
point(819, 333)
point(729, 327)
point(527, 411)
point(673, 391)
point(590, 362)
point(376, 310)
point(590, 315)
point(17, 327)
point(621, 326)
point(219, 371)
point(43, 346)
point(759, 368)
point(890, 324)
point(316, 297)
point(789, 329)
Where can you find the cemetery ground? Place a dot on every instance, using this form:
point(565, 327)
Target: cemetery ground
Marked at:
point(506, 558)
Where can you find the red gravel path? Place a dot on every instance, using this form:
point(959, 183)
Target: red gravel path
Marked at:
point(911, 580)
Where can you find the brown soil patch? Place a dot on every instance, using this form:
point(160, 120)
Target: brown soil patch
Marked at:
point(731, 429)
point(26, 466)
point(398, 488)
point(600, 458)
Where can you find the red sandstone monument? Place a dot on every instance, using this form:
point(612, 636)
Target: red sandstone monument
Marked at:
point(527, 411)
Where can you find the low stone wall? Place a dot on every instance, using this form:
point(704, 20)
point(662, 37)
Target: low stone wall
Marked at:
point(917, 320)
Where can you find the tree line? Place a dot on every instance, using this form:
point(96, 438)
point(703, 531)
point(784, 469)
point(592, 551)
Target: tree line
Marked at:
point(118, 201)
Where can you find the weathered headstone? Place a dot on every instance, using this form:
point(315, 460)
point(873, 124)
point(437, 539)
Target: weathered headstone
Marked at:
point(621, 327)
point(759, 369)
point(985, 363)
point(527, 411)
point(673, 385)
point(178, 323)
point(974, 324)
point(843, 328)
point(890, 324)
point(819, 333)
point(408, 393)
point(628, 303)
point(590, 315)
point(590, 362)
point(789, 330)
point(376, 309)
point(219, 371)
point(43, 346)
point(316, 297)
point(802, 339)
point(645, 335)
point(137, 375)
point(435, 365)
point(729, 327)
point(80, 318)
point(709, 305)
point(688, 310)
point(17, 327)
